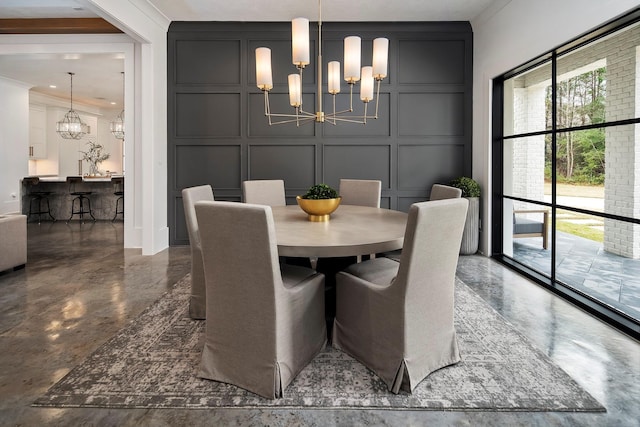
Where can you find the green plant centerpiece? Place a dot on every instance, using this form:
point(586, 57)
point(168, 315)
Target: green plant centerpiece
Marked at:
point(320, 191)
point(94, 156)
point(471, 235)
point(319, 202)
point(469, 187)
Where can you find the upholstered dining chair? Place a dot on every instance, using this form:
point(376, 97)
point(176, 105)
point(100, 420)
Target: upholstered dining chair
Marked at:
point(397, 318)
point(191, 195)
point(268, 192)
point(360, 192)
point(438, 192)
point(265, 321)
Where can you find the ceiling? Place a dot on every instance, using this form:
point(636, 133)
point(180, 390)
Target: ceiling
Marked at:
point(98, 79)
point(332, 10)
point(281, 10)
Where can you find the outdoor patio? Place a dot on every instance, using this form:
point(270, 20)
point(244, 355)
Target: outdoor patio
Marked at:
point(585, 265)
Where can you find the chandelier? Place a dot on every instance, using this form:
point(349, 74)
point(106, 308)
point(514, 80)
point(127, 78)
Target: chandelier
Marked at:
point(71, 126)
point(117, 125)
point(352, 74)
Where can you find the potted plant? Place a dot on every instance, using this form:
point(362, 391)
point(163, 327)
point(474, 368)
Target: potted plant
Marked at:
point(94, 156)
point(319, 202)
point(471, 191)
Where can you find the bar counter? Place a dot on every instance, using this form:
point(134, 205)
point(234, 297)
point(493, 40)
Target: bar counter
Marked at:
point(103, 201)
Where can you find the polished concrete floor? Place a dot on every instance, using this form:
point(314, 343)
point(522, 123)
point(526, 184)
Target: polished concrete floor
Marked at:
point(80, 287)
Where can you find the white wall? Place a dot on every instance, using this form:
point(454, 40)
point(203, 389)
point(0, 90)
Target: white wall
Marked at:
point(507, 35)
point(62, 155)
point(14, 142)
point(146, 151)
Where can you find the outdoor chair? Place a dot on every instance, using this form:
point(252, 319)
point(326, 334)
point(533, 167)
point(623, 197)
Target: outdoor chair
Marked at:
point(523, 226)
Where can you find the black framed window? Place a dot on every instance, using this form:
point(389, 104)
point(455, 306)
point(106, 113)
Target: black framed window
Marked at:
point(566, 156)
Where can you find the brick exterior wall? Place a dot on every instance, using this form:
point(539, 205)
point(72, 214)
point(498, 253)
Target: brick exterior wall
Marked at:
point(528, 153)
point(622, 183)
point(622, 147)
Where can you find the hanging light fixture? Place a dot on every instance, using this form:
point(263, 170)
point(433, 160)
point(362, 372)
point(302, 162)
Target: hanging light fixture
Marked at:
point(352, 74)
point(71, 126)
point(117, 126)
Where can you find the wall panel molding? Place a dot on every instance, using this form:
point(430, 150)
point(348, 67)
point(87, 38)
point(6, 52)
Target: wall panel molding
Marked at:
point(218, 134)
point(294, 163)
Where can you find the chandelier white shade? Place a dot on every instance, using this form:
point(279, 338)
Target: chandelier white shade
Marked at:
point(71, 126)
point(352, 50)
point(300, 42)
point(366, 85)
point(380, 58)
point(263, 68)
point(117, 126)
point(367, 76)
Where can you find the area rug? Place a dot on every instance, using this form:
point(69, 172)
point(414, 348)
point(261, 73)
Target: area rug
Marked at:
point(153, 363)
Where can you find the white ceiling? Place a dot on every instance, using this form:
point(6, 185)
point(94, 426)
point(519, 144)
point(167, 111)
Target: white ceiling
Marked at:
point(332, 10)
point(98, 80)
point(264, 10)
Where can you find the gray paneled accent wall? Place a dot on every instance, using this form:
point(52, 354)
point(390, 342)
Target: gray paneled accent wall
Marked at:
point(218, 134)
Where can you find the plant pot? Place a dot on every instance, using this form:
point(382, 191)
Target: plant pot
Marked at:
point(319, 210)
point(471, 233)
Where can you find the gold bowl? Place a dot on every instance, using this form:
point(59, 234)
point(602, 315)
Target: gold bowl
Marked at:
point(319, 210)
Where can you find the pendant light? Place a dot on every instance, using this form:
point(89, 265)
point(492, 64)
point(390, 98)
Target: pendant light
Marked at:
point(369, 77)
point(117, 125)
point(71, 126)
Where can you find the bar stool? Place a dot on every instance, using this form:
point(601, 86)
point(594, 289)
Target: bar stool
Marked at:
point(118, 190)
point(81, 196)
point(37, 196)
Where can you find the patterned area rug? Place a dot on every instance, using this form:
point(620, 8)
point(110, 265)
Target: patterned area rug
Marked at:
point(153, 362)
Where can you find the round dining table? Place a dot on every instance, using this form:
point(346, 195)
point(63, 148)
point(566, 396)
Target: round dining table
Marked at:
point(350, 231)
